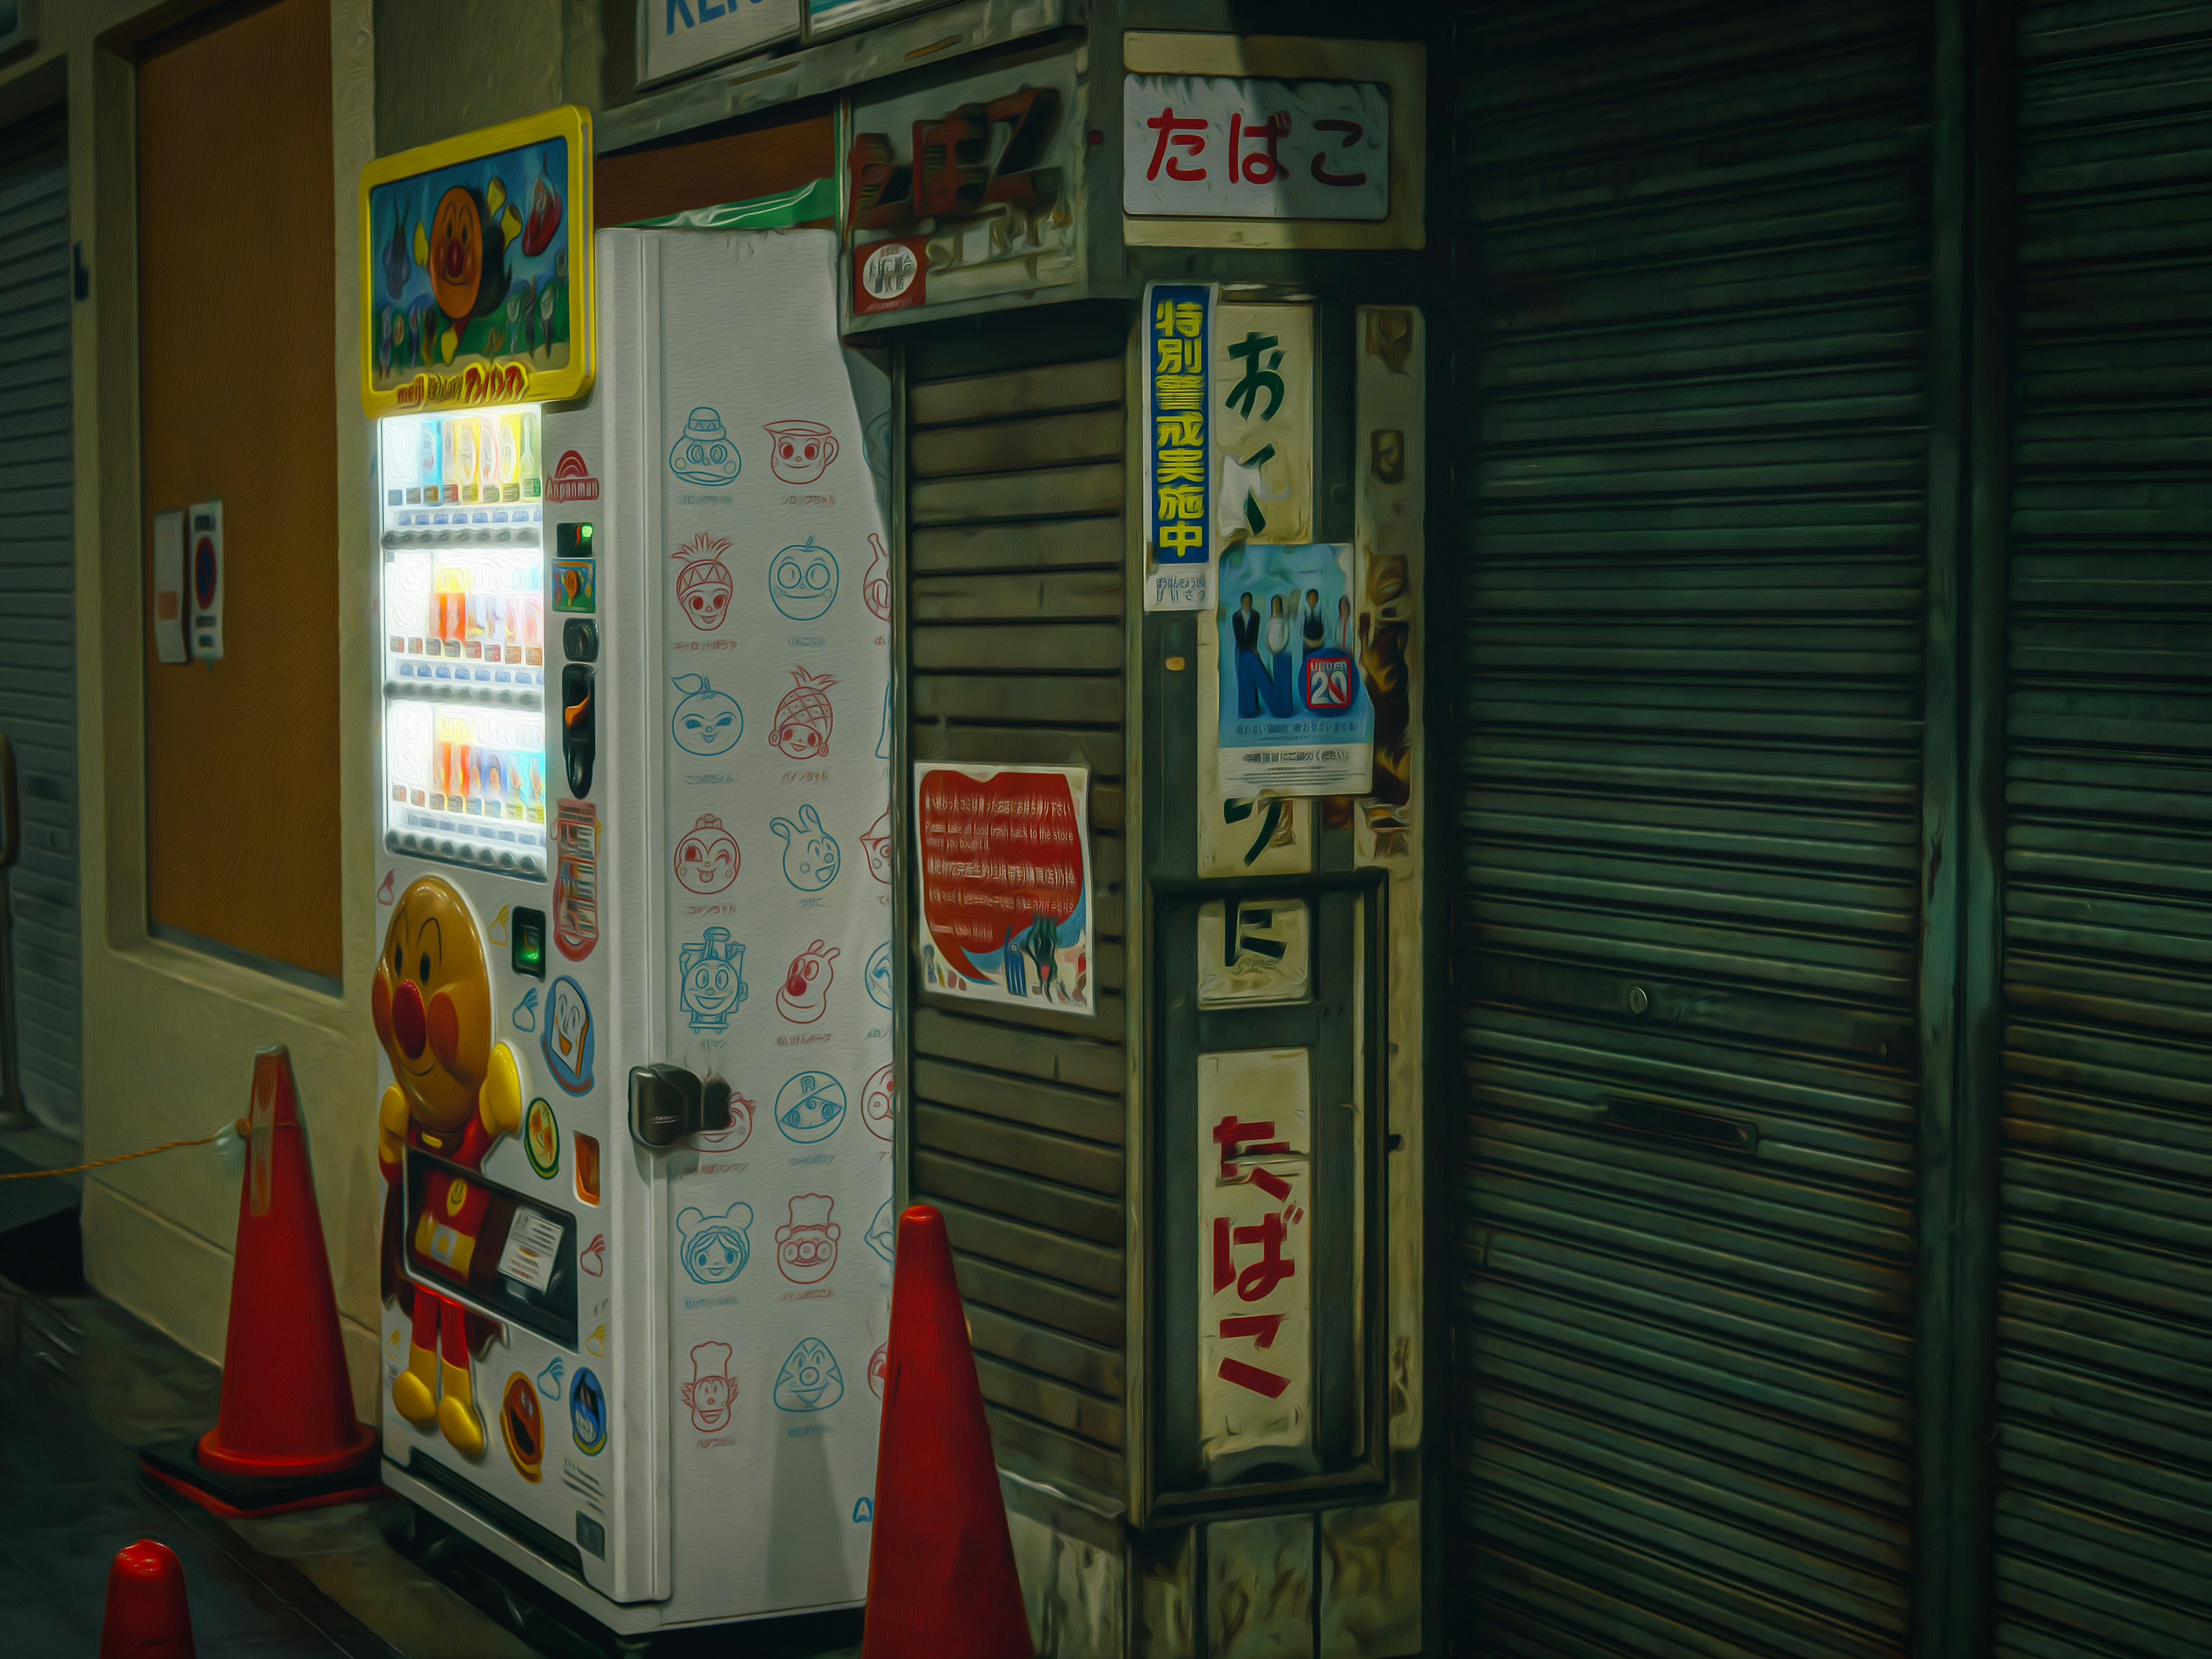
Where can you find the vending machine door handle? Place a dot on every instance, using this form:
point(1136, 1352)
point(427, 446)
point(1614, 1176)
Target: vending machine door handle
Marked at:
point(667, 1103)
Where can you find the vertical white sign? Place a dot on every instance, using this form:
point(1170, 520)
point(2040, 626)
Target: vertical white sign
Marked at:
point(1256, 1269)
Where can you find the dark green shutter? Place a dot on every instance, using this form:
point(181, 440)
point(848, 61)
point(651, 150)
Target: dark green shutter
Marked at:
point(37, 630)
point(1693, 474)
point(1014, 540)
point(2104, 1509)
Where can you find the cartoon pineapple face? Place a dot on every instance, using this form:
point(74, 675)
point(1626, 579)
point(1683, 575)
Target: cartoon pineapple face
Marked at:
point(804, 718)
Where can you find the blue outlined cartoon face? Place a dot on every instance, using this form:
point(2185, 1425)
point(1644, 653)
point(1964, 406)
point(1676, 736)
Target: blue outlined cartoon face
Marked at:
point(587, 1413)
point(803, 581)
point(711, 980)
point(810, 1380)
point(568, 1040)
point(706, 722)
point(879, 1232)
point(704, 453)
point(715, 1250)
point(810, 1107)
point(811, 859)
point(879, 975)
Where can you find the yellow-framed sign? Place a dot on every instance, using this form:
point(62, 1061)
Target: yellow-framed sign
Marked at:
point(476, 268)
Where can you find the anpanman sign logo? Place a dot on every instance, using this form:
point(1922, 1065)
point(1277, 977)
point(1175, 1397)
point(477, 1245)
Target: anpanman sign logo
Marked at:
point(572, 481)
point(479, 383)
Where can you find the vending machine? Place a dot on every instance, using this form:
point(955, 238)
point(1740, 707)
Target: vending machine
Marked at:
point(633, 987)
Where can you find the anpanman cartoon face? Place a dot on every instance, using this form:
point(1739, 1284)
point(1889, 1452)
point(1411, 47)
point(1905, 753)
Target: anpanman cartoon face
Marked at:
point(431, 1003)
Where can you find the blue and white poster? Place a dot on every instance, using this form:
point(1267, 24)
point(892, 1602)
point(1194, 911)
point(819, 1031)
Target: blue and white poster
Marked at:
point(1295, 718)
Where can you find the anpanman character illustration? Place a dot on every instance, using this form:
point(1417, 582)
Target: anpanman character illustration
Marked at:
point(457, 1092)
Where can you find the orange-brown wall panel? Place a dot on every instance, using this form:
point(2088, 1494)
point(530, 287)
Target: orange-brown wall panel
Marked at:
point(644, 184)
point(238, 381)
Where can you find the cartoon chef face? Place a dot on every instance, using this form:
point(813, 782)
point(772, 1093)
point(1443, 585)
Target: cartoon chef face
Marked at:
point(431, 1004)
point(807, 1249)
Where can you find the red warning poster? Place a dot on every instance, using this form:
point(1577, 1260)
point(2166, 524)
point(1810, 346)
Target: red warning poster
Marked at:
point(1004, 857)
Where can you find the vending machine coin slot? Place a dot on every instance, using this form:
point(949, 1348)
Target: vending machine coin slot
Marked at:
point(579, 728)
point(579, 638)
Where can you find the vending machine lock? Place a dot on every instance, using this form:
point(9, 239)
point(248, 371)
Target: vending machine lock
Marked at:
point(667, 1103)
point(579, 728)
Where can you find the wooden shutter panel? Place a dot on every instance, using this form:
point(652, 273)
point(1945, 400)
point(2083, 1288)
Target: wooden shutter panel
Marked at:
point(1015, 549)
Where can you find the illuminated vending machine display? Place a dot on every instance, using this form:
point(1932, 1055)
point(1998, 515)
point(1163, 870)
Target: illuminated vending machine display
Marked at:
point(632, 996)
point(464, 605)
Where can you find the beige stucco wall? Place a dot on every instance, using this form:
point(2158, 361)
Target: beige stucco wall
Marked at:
point(169, 1034)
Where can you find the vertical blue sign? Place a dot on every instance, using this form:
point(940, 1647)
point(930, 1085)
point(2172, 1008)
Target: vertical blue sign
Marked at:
point(1178, 479)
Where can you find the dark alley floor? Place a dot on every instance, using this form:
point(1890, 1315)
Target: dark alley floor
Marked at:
point(83, 1384)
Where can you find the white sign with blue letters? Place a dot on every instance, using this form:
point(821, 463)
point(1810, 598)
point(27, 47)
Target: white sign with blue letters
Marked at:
point(675, 35)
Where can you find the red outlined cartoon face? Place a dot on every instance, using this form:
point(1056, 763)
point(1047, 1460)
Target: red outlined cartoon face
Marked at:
point(879, 1368)
point(707, 859)
point(726, 1141)
point(806, 1247)
point(803, 996)
point(876, 844)
point(712, 1391)
point(879, 1102)
point(803, 719)
point(703, 586)
point(799, 451)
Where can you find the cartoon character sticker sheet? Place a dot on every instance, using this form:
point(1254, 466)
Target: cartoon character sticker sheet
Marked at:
point(775, 631)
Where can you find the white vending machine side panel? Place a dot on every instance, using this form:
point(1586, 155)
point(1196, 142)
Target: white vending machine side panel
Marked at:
point(774, 976)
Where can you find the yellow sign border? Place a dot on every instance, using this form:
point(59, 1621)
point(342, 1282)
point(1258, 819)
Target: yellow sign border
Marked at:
point(570, 121)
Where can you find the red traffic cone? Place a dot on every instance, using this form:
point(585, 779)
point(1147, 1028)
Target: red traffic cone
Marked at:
point(146, 1617)
point(287, 1436)
point(941, 1583)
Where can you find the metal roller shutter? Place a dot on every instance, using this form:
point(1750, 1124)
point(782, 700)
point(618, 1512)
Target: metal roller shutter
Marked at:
point(38, 619)
point(1693, 585)
point(2104, 1511)
point(1015, 548)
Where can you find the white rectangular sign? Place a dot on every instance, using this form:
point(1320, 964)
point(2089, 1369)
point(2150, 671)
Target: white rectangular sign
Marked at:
point(1223, 147)
point(683, 34)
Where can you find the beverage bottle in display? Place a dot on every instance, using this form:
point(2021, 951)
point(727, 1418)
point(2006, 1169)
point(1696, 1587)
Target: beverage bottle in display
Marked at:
point(526, 466)
point(466, 457)
point(399, 455)
point(426, 470)
point(449, 463)
point(535, 802)
point(441, 773)
point(533, 629)
point(510, 459)
point(515, 787)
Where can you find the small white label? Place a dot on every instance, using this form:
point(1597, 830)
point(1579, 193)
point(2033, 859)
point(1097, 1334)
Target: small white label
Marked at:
point(534, 1242)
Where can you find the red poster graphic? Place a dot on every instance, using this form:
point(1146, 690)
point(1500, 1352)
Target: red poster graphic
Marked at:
point(1004, 862)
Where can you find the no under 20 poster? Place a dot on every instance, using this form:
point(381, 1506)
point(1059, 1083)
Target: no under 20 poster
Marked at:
point(1004, 862)
point(1295, 719)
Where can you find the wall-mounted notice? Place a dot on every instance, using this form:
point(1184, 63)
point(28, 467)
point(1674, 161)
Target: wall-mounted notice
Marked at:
point(169, 587)
point(1178, 533)
point(1295, 718)
point(1223, 147)
point(1004, 862)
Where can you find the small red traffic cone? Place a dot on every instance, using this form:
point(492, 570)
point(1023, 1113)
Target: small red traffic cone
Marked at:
point(941, 1581)
point(146, 1617)
point(286, 1437)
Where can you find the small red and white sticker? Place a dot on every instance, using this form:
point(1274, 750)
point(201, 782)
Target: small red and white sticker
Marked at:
point(889, 276)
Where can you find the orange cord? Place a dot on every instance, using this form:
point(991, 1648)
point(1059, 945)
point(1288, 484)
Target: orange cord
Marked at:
point(120, 1158)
